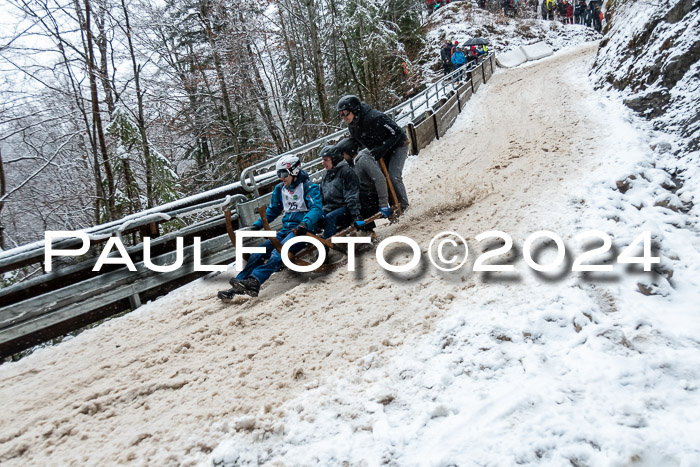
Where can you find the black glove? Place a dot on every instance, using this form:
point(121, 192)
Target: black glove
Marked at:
point(366, 227)
point(301, 229)
point(256, 227)
point(377, 152)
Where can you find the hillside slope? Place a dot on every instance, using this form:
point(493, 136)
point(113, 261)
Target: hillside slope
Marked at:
point(651, 55)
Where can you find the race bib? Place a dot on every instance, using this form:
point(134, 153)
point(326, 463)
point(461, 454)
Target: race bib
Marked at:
point(293, 199)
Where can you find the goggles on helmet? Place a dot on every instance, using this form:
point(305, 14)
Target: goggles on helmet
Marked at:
point(344, 113)
point(282, 173)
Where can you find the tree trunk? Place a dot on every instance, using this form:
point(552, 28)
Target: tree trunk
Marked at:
point(275, 83)
point(261, 100)
point(97, 118)
point(140, 120)
point(295, 78)
point(224, 90)
point(3, 190)
point(101, 42)
point(317, 62)
point(358, 85)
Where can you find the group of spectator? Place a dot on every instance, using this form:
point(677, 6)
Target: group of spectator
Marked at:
point(353, 189)
point(583, 13)
point(509, 7)
point(453, 57)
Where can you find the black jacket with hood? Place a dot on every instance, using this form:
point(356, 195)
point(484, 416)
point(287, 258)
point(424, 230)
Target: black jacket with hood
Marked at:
point(377, 132)
point(341, 187)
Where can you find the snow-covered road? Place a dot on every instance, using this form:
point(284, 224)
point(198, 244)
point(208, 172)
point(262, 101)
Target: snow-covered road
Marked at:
point(349, 366)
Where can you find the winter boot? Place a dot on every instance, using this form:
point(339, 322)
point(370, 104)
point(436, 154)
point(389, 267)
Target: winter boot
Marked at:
point(248, 286)
point(226, 295)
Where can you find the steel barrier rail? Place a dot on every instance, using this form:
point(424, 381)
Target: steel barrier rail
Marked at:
point(82, 270)
point(261, 172)
point(46, 316)
point(34, 252)
point(431, 94)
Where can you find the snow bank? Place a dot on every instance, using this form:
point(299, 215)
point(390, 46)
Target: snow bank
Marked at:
point(461, 21)
point(650, 57)
point(512, 58)
point(524, 53)
point(536, 51)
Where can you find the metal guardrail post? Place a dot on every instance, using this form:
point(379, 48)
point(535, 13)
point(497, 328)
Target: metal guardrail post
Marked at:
point(134, 300)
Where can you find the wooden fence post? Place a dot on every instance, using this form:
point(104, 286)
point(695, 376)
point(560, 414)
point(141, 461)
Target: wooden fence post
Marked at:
point(431, 115)
point(414, 138)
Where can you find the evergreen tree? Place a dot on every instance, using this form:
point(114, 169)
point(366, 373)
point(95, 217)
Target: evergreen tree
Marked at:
point(126, 147)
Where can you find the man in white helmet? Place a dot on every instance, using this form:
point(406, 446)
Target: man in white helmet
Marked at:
point(300, 200)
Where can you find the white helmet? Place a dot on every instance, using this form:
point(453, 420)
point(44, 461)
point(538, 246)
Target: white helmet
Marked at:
point(290, 164)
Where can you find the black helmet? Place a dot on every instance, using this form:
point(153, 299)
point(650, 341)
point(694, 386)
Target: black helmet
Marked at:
point(350, 103)
point(347, 145)
point(334, 153)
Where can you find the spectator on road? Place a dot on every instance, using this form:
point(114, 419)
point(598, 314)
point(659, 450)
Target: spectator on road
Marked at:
point(445, 56)
point(458, 60)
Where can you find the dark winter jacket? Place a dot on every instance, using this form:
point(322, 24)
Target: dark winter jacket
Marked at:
point(445, 53)
point(375, 131)
point(341, 187)
point(371, 177)
point(312, 198)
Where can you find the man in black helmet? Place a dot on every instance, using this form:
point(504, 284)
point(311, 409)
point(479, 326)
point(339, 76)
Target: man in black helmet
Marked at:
point(340, 191)
point(377, 132)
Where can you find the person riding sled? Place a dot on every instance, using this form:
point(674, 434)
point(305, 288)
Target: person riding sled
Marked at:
point(340, 191)
point(374, 192)
point(300, 200)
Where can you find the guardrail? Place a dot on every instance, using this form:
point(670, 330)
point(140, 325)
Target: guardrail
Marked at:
point(72, 296)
